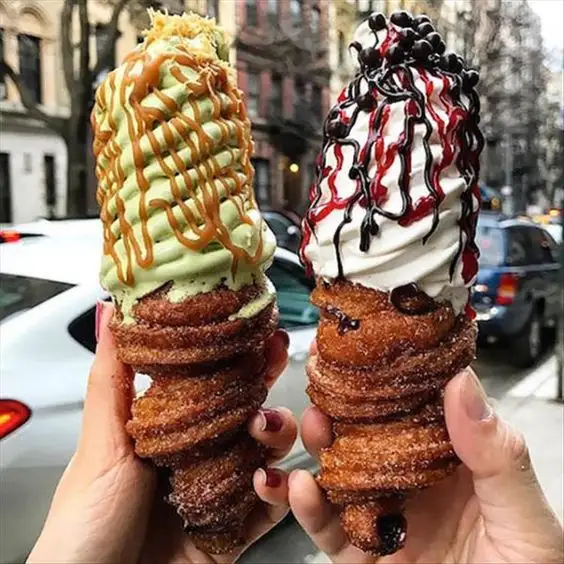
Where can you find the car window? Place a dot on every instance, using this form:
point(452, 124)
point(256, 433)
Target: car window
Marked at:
point(293, 289)
point(278, 225)
point(519, 251)
point(82, 329)
point(545, 246)
point(20, 293)
point(490, 242)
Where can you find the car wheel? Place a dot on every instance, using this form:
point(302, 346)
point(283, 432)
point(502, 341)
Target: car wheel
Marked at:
point(528, 346)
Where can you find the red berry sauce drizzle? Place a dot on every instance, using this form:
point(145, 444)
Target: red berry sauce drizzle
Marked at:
point(386, 77)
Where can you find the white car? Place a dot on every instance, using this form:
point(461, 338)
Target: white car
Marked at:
point(48, 293)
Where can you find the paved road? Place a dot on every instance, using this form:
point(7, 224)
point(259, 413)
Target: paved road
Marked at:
point(288, 544)
point(497, 374)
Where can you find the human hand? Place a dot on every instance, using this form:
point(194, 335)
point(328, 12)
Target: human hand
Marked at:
point(106, 507)
point(491, 510)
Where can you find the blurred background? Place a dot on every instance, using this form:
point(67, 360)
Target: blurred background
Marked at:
point(292, 61)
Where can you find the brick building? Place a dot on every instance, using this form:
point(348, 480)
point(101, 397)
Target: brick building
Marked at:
point(282, 60)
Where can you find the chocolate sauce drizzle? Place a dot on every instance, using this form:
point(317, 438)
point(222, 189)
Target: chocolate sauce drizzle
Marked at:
point(346, 323)
point(386, 77)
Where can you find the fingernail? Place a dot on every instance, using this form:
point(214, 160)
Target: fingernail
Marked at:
point(99, 311)
point(284, 337)
point(475, 399)
point(272, 420)
point(292, 477)
point(272, 478)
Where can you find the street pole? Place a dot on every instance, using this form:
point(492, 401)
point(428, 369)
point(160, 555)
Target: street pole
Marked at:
point(560, 336)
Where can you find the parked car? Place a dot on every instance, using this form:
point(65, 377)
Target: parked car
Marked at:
point(555, 230)
point(48, 292)
point(286, 226)
point(517, 293)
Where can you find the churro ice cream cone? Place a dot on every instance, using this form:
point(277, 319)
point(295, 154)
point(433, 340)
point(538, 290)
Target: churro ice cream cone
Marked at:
point(389, 236)
point(185, 250)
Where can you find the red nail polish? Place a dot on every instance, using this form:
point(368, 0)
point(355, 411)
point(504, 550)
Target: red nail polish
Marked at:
point(99, 310)
point(273, 478)
point(285, 337)
point(273, 421)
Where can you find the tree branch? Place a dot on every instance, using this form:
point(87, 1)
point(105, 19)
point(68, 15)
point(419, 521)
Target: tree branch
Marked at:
point(67, 49)
point(27, 101)
point(112, 31)
point(84, 53)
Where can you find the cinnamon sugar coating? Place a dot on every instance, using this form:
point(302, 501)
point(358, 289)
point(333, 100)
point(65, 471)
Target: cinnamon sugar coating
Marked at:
point(207, 376)
point(382, 385)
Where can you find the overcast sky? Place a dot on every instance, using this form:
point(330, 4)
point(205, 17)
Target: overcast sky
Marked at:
point(551, 13)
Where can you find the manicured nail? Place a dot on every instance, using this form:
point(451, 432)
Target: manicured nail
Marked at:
point(271, 420)
point(284, 337)
point(99, 311)
point(475, 399)
point(272, 478)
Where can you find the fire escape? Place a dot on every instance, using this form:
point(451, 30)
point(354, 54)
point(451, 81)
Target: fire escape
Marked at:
point(288, 47)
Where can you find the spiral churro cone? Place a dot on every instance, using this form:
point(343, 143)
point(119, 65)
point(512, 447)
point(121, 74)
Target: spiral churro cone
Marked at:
point(381, 382)
point(389, 236)
point(185, 251)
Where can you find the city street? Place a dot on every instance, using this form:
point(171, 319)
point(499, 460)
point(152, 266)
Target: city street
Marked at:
point(524, 397)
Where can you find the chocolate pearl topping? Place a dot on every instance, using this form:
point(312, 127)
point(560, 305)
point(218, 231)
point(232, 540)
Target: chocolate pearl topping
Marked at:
point(418, 20)
point(366, 102)
point(425, 29)
point(336, 129)
point(395, 55)
point(370, 57)
point(377, 21)
point(422, 49)
point(434, 39)
point(401, 18)
point(407, 37)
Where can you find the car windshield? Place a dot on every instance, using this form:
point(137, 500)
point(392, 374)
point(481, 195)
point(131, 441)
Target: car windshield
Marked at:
point(20, 293)
point(490, 242)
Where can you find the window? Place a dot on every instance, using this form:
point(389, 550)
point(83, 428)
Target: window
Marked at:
point(213, 9)
point(315, 18)
point(519, 250)
point(102, 39)
point(262, 180)
point(50, 185)
point(5, 189)
point(272, 10)
point(19, 293)
point(29, 49)
point(82, 329)
point(490, 243)
point(293, 289)
point(541, 247)
point(299, 96)
point(276, 99)
point(253, 93)
point(2, 83)
point(252, 14)
point(317, 101)
point(296, 12)
point(342, 48)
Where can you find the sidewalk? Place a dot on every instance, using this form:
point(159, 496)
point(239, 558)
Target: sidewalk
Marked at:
point(530, 407)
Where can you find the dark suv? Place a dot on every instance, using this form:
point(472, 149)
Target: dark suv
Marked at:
point(517, 292)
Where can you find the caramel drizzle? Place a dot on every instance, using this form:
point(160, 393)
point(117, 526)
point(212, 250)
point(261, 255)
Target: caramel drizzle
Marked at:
point(141, 121)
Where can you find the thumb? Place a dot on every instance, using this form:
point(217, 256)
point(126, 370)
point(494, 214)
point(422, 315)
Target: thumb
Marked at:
point(109, 394)
point(507, 489)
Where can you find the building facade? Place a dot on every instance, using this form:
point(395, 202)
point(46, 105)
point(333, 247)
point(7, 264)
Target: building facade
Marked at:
point(280, 51)
point(33, 159)
point(282, 61)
